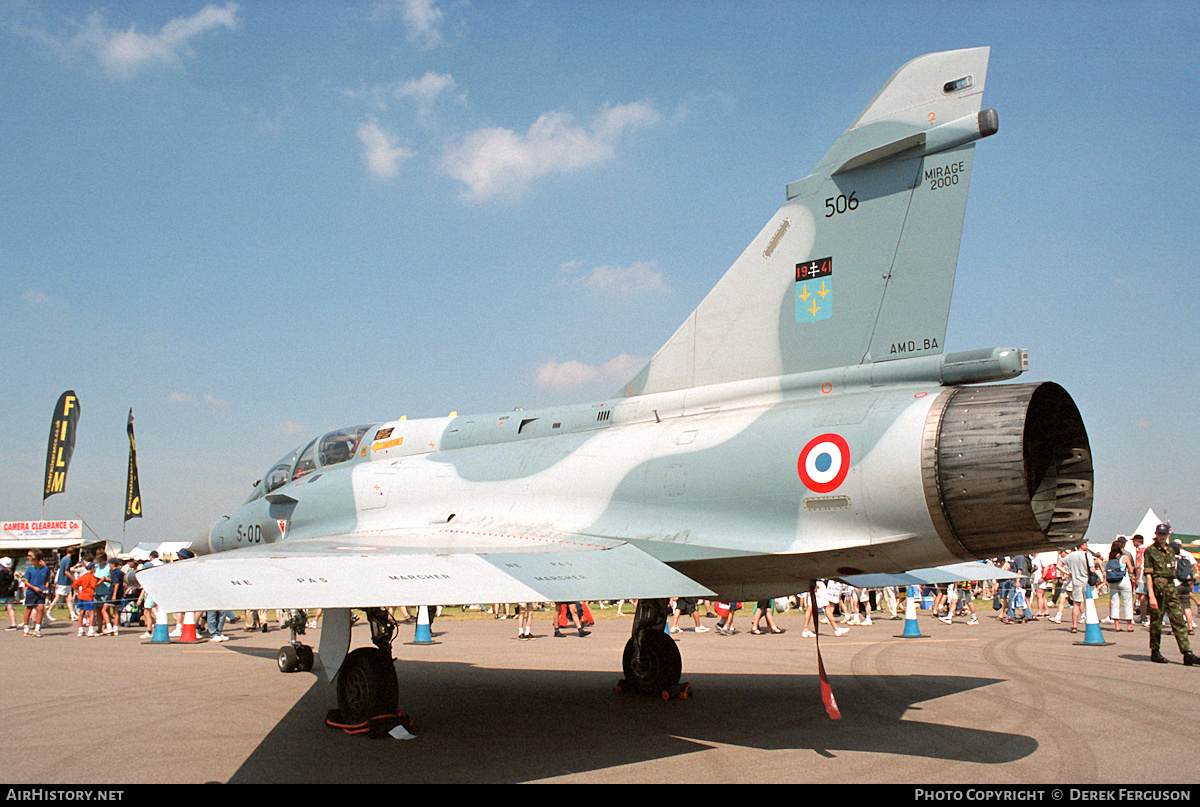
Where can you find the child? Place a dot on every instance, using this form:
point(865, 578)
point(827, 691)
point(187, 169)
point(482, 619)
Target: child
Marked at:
point(85, 584)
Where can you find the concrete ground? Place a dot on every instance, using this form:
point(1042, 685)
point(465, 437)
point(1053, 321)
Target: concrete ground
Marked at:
point(992, 703)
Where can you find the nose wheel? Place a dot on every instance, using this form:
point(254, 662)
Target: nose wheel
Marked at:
point(295, 656)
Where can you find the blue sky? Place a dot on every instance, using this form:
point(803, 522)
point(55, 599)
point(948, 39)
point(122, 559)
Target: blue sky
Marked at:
point(254, 222)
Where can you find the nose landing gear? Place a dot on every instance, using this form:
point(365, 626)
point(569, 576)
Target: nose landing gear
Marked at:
point(296, 656)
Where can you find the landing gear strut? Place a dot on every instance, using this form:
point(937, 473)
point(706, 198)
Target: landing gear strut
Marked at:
point(295, 656)
point(651, 660)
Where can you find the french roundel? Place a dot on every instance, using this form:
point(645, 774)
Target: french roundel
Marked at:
point(824, 463)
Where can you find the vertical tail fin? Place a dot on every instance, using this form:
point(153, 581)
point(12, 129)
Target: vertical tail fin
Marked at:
point(858, 264)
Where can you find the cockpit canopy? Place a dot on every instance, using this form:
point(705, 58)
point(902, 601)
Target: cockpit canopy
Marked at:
point(331, 449)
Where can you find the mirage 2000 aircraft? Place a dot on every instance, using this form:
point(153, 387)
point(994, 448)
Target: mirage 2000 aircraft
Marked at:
point(803, 423)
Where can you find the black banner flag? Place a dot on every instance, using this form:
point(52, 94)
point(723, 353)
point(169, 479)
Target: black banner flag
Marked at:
point(62, 443)
point(133, 491)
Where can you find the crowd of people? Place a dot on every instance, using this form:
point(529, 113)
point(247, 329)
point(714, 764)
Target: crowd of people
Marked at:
point(1145, 585)
point(90, 584)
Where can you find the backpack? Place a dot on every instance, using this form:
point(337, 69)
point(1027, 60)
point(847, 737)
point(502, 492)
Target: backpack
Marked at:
point(1114, 571)
point(1183, 569)
point(1050, 572)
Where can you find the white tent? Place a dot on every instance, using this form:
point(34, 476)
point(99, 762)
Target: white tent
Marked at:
point(1146, 527)
point(166, 548)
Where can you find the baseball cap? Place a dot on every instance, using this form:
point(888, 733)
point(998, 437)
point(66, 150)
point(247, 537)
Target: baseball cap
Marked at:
point(6, 562)
point(1162, 529)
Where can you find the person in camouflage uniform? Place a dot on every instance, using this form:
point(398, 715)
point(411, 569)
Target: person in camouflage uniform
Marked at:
point(1160, 589)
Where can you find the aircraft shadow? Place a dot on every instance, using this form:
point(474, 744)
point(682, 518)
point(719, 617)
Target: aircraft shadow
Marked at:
point(475, 724)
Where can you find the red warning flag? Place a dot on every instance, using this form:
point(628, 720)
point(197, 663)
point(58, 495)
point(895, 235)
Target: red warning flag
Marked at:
point(831, 707)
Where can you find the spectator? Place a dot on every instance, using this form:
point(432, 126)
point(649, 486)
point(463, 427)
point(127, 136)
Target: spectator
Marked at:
point(8, 585)
point(216, 625)
point(37, 580)
point(1160, 565)
point(1042, 584)
point(62, 586)
point(686, 606)
point(727, 611)
point(85, 584)
point(1119, 572)
point(821, 601)
point(1185, 576)
point(762, 610)
point(524, 620)
point(1062, 585)
point(145, 602)
point(569, 612)
point(1080, 565)
point(104, 591)
point(1139, 591)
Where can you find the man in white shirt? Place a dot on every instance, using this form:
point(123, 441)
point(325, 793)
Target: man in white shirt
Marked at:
point(1079, 563)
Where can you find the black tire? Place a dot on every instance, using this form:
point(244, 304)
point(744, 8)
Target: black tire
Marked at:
point(657, 667)
point(367, 686)
point(289, 659)
point(306, 658)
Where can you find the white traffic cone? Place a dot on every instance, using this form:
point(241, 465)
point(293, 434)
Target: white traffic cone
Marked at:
point(162, 631)
point(1092, 635)
point(911, 629)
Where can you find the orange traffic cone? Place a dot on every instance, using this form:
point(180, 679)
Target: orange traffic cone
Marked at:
point(188, 632)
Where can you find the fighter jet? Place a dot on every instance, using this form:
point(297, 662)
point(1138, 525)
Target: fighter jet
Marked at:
point(802, 423)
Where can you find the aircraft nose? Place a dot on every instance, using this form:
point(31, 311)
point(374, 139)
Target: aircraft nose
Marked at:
point(201, 544)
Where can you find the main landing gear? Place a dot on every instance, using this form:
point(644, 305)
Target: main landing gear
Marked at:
point(651, 661)
point(295, 656)
point(366, 683)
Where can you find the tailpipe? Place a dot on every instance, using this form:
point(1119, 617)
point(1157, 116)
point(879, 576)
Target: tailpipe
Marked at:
point(1007, 469)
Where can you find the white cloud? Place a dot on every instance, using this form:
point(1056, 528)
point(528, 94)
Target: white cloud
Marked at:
point(182, 398)
point(638, 278)
point(573, 375)
point(424, 91)
point(423, 21)
point(291, 428)
point(426, 88)
point(381, 152)
point(122, 53)
point(35, 298)
point(500, 162)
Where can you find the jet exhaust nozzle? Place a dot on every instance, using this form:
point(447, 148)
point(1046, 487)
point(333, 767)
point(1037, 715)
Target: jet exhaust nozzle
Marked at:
point(1007, 469)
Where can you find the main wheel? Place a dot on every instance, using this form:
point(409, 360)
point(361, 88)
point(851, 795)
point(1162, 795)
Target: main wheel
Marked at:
point(657, 666)
point(367, 686)
point(306, 657)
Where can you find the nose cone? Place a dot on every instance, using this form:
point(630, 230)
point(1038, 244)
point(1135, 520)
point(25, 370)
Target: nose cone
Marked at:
point(202, 543)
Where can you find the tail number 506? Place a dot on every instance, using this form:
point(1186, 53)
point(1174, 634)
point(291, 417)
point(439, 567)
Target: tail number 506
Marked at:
point(840, 204)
